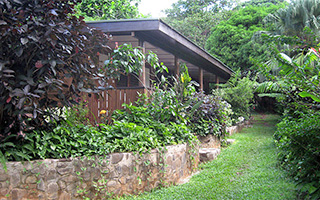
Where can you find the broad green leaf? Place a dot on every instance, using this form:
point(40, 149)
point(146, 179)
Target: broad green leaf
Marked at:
point(306, 94)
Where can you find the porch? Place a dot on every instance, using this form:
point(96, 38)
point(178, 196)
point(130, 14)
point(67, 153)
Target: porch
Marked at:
point(171, 47)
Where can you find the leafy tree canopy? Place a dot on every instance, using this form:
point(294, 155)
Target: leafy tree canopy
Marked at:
point(195, 19)
point(108, 9)
point(185, 8)
point(231, 40)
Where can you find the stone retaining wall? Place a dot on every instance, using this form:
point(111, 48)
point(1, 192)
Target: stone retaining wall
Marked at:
point(97, 177)
point(209, 141)
point(238, 127)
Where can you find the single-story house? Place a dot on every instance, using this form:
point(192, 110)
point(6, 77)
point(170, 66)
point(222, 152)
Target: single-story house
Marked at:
point(170, 46)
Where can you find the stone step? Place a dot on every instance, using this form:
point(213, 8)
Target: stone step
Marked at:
point(230, 141)
point(208, 154)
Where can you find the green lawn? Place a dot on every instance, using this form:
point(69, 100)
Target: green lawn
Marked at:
point(248, 169)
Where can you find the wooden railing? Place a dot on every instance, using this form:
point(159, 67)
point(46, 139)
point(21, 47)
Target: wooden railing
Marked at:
point(111, 100)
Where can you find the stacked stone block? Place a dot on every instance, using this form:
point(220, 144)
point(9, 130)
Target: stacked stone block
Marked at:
point(97, 177)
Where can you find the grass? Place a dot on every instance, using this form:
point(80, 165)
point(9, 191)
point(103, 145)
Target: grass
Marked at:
point(248, 169)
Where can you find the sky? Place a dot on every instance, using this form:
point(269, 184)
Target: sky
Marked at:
point(154, 7)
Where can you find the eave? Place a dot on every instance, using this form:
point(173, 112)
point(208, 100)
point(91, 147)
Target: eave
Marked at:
point(160, 35)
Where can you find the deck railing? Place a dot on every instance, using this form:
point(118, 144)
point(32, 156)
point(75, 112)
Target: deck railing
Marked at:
point(111, 100)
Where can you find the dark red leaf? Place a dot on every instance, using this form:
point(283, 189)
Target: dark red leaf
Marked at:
point(38, 64)
point(9, 99)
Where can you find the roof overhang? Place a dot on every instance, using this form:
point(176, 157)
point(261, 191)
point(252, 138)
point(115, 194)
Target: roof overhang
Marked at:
point(161, 35)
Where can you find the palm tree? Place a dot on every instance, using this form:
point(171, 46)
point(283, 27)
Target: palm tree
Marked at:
point(295, 18)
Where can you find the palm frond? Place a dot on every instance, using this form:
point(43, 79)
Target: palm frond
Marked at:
point(269, 86)
point(273, 95)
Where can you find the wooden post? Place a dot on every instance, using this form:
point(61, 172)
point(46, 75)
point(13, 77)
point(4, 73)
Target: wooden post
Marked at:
point(206, 87)
point(142, 81)
point(129, 80)
point(201, 78)
point(176, 67)
point(217, 81)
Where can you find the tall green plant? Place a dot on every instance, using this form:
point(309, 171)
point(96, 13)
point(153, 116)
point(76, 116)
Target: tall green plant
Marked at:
point(297, 82)
point(239, 93)
point(298, 90)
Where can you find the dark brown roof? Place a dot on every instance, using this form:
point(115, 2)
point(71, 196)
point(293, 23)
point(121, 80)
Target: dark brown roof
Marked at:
point(160, 35)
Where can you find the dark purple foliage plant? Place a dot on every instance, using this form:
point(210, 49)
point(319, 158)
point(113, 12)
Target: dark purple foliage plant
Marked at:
point(48, 57)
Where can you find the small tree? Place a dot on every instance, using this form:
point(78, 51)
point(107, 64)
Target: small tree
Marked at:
point(47, 58)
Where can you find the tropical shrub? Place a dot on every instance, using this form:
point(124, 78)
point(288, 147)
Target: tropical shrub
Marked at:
point(296, 86)
point(179, 105)
point(211, 116)
point(298, 142)
point(135, 129)
point(168, 132)
point(239, 93)
point(70, 138)
point(47, 58)
point(296, 83)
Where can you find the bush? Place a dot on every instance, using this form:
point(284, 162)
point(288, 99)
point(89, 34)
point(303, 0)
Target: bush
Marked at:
point(167, 132)
point(298, 141)
point(211, 116)
point(169, 117)
point(239, 93)
point(181, 105)
point(47, 58)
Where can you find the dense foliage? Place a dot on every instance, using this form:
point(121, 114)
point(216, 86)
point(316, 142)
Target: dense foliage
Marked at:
point(293, 78)
point(298, 141)
point(107, 9)
point(73, 138)
point(297, 87)
point(212, 115)
point(52, 61)
point(239, 93)
point(231, 41)
point(180, 104)
point(48, 57)
point(165, 120)
point(195, 19)
point(294, 19)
